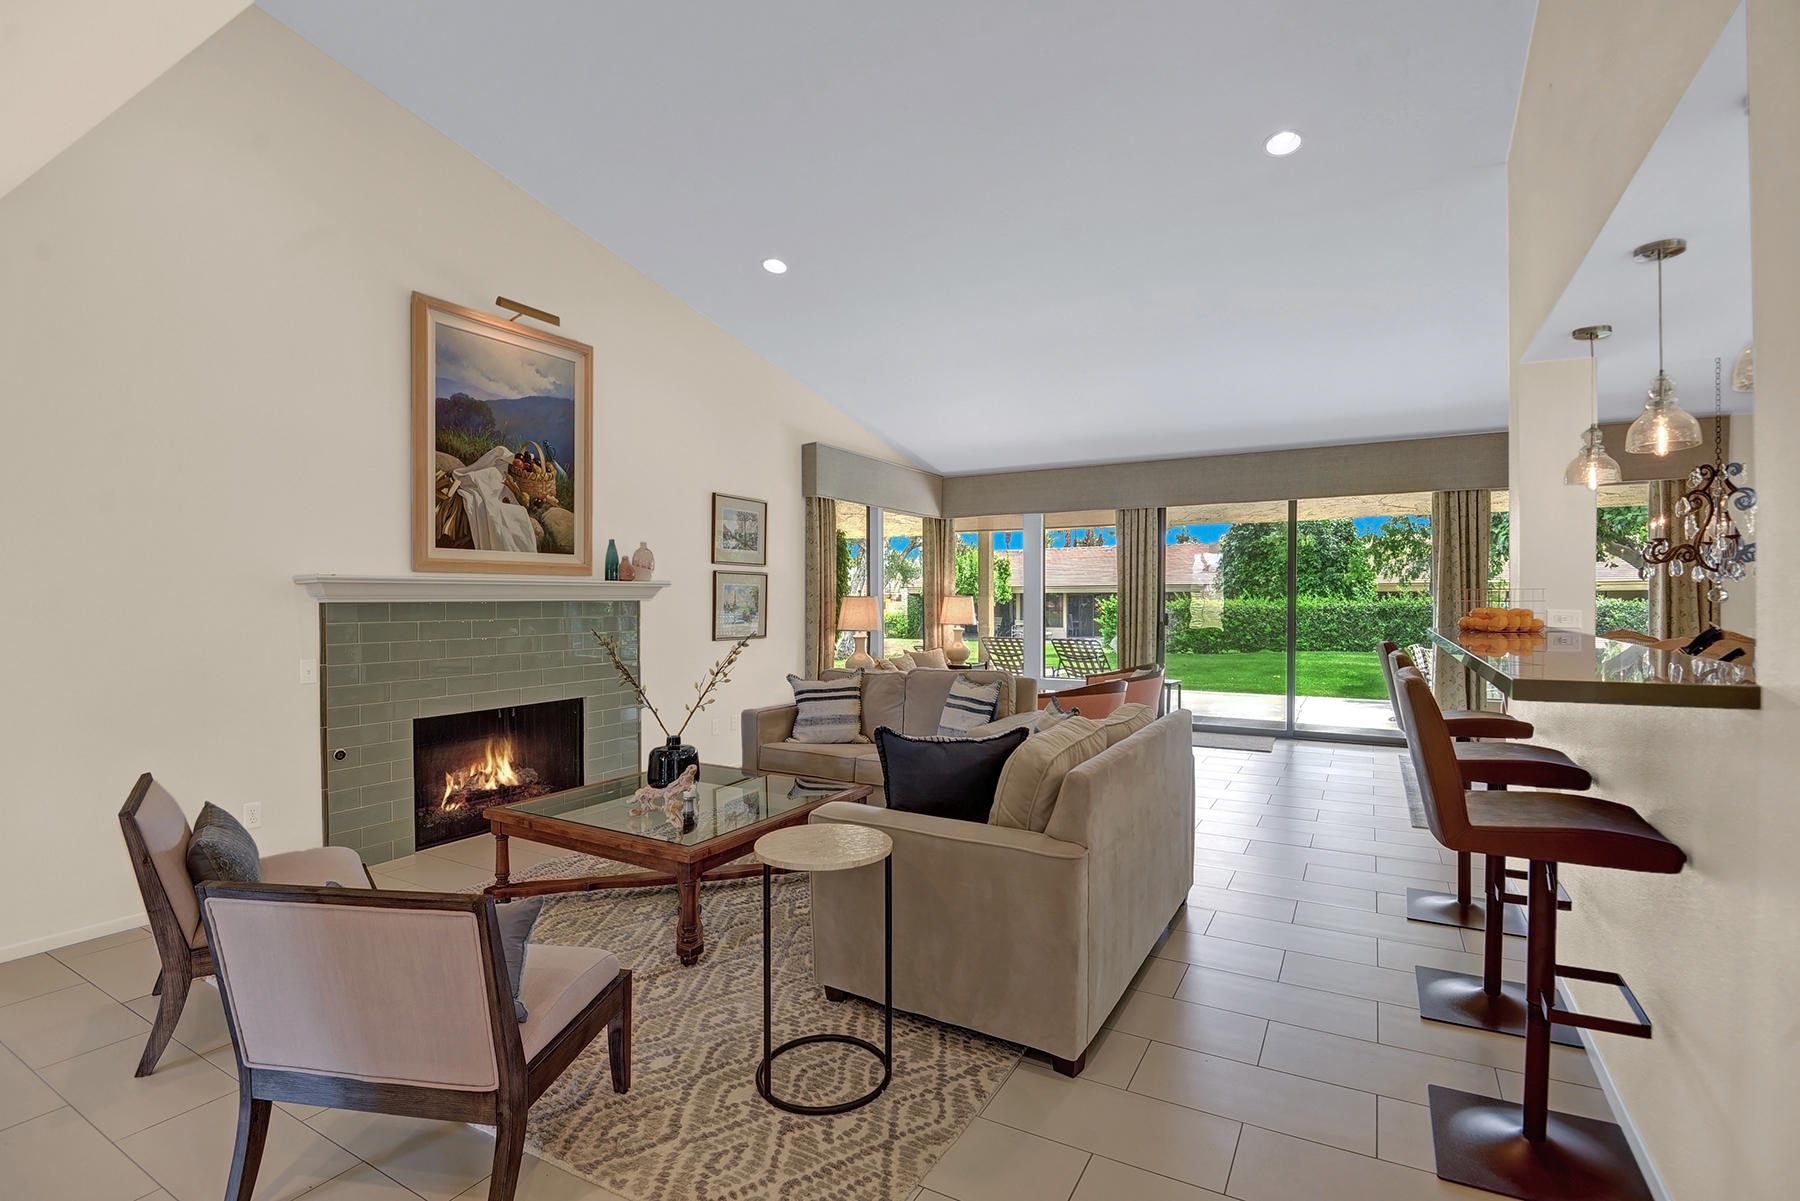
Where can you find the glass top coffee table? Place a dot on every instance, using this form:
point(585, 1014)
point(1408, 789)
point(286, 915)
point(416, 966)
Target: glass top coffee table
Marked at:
point(727, 811)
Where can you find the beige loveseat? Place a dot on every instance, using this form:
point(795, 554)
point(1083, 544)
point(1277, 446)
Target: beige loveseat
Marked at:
point(1030, 936)
point(908, 701)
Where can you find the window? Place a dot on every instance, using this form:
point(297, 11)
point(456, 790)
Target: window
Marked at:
point(902, 539)
point(1081, 593)
point(1227, 602)
point(852, 567)
point(988, 568)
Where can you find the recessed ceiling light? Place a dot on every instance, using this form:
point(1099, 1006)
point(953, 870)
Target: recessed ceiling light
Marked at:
point(774, 266)
point(1282, 144)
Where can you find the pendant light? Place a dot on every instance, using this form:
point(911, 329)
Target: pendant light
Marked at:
point(1716, 542)
point(1593, 466)
point(1664, 427)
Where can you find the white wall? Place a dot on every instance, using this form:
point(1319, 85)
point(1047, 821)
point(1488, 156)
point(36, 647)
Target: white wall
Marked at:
point(204, 334)
point(1551, 566)
point(1713, 953)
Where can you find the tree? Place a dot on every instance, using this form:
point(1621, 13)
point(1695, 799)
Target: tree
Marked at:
point(1620, 532)
point(968, 574)
point(1400, 549)
point(1333, 561)
point(903, 570)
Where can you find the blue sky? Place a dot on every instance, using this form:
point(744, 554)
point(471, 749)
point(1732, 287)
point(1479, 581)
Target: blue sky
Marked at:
point(1015, 540)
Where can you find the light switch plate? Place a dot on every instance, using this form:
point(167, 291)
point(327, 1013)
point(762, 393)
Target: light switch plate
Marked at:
point(718, 726)
point(252, 815)
point(1565, 619)
point(309, 671)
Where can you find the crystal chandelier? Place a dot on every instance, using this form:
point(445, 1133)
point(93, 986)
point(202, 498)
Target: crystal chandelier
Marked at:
point(1664, 426)
point(1717, 515)
point(1592, 466)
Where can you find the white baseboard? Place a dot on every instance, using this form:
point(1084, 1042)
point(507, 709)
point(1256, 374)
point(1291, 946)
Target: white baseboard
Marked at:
point(1622, 1115)
point(52, 942)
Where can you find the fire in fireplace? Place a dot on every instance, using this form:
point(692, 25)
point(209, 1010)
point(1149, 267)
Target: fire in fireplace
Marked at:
point(465, 762)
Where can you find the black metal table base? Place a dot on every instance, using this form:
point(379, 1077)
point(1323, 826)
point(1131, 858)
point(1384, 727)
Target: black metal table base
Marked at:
point(884, 1054)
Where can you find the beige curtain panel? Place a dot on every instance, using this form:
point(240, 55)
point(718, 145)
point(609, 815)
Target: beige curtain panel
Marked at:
point(1679, 607)
point(1460, 535)
point(1140, 537)
point(937, 570)
point(821, 585)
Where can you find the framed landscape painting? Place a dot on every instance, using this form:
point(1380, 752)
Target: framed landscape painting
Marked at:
point(740, 530)
point(740, 605)
point(502, 431)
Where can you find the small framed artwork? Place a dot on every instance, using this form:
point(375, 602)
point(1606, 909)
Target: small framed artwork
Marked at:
point(502, 430)
point(740, 605)
point(740, 530)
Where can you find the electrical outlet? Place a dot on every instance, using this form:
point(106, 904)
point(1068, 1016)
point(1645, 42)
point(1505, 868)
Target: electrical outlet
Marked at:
point(1565, 619)
point(309, 671)
point(718, 726)
point(252, 815)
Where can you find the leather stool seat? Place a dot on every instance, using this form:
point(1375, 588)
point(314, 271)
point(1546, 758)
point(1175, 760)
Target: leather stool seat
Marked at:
point(1519, 765)
point(1555, 827)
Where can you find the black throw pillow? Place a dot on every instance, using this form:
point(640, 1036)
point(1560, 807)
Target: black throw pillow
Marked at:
point(516, 920)
point(945, 777)
point(221, 849)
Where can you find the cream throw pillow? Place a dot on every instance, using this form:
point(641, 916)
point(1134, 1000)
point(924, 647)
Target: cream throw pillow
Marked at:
point(1033, 776)
point(930, 658)
point(1125, 721)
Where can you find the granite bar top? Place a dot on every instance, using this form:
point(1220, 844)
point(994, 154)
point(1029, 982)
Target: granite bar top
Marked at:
point(1564, 665)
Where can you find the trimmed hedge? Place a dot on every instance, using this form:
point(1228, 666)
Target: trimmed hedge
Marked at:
point(1621, 613)
point(1322, 625)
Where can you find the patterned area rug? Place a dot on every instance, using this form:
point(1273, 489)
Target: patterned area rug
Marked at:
point(693, 1127)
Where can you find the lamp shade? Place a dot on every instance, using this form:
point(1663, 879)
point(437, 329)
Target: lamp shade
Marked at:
point(957, 611)
point(859, 613)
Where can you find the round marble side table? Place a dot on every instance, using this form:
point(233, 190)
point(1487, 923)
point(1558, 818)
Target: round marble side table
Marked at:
point(827, 848)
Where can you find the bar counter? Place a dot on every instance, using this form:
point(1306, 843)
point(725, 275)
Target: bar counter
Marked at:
point(1565, 665)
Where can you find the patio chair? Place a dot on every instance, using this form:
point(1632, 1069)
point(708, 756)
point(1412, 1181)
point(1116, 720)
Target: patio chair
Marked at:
point(1143, 685)
point(1090, 700)
point(1081, 656)
point(1007, 654)
point(400, 1003)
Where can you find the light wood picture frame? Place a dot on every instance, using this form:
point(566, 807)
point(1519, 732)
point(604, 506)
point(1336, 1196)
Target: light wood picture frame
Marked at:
point(502, 445)
point(740, 530)
point(740, 605)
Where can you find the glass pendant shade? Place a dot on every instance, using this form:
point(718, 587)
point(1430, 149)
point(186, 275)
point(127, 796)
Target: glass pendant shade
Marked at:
point(1664, 427)
point(1593, 466)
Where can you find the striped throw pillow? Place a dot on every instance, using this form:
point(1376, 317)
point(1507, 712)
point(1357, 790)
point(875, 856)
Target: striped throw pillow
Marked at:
point(968, 705)
point(829, 710)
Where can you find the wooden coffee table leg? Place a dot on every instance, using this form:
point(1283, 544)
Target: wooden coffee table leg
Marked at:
point(502, 866)
point(688, 944)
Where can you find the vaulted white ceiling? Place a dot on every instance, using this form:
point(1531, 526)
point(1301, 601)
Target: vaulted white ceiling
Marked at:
point(1021, 234)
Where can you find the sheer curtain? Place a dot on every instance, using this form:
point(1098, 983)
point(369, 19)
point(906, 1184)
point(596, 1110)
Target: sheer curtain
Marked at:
point(1679, 607)
point(937, 566)
point(1140, 557)
point(821, 585)
point(1460, 536)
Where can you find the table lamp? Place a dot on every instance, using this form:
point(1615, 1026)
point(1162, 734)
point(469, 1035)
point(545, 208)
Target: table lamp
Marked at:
point(861, 615)
point(957, 612)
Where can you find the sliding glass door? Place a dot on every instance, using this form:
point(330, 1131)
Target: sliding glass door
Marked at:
point(1227, 602)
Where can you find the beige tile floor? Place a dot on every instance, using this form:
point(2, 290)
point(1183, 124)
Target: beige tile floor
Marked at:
point(1269, 1049)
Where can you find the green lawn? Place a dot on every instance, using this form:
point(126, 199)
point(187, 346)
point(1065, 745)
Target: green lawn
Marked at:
point(1354, 674)
point(1348, 674)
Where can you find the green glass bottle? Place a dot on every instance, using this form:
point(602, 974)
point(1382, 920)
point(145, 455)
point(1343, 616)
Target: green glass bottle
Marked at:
point(612, 559)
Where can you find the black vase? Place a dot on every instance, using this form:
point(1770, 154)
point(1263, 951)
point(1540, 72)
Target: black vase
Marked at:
point(668, 761)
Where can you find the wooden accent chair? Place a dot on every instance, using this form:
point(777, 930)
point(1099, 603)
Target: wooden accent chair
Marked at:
point(399, 1002)
point(1143, 685)
point(1092, 700)
point(156, 835)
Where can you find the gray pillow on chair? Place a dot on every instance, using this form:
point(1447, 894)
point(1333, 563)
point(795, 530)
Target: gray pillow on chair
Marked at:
point(221, 849)
point(516, 920)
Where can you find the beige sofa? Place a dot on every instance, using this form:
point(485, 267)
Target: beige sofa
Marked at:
point(909, 701)
point(1030, 937)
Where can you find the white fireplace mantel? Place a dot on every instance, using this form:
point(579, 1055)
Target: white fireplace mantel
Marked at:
point(450, 587)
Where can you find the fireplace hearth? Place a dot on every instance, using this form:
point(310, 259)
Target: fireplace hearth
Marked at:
point(463, 763)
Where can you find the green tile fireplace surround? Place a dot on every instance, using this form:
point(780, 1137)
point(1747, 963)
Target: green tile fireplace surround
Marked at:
point(385, 663)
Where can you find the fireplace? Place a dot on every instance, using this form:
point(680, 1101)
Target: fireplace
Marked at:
point(465, 762)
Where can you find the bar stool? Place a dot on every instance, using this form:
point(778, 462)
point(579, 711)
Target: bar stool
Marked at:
point(1524, 1150)
point(1487, 1002)
point(1492, 765)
